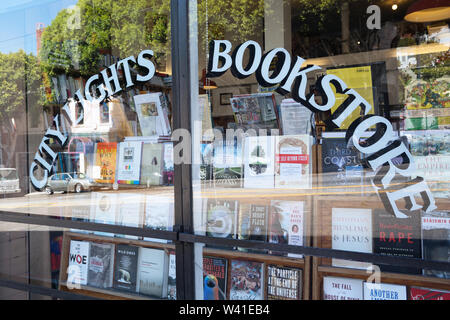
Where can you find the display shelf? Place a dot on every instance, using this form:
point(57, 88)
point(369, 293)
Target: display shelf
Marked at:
point(322, 238)
point(107, 293)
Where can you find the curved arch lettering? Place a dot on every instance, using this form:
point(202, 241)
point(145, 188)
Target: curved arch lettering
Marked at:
point(103, 85)
point(379, 148)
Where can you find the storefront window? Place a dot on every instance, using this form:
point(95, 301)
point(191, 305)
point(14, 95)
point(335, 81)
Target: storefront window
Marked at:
point(225, 150)
point(328, 131)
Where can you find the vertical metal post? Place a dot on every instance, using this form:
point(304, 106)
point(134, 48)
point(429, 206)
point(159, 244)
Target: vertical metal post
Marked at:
point(181, 104)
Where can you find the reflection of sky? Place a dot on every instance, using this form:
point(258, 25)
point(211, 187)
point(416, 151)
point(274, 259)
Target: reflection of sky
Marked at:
point(18, 19)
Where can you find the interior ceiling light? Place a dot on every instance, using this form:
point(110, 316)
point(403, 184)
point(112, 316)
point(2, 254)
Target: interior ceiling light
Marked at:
point(428, 11)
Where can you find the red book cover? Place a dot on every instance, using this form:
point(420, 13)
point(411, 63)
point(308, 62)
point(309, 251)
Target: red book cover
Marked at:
point(428, 294)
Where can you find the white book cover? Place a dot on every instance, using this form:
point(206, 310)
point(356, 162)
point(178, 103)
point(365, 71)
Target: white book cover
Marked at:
point(286, 223)
point(259, 158)
point(335, 288)
point(172, 285)
point(101, 265)
point(351, 231)
point(159, 215)
point(384, 291)
point(129, 166)
point(78, 263)
point(104, 210)
point(153, 268)
point(293, 161)
point(295, 118)
point(152, 118)
point(130, 211)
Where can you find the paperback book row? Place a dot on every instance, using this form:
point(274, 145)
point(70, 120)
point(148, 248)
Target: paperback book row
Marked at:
point(128, 209)
point(249, 280)
point(279, 221)
point(336, 288)
point(421, 235)
point(259, 162)
point(122, 267)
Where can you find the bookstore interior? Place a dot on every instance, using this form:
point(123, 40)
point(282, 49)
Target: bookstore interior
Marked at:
point(215, 150)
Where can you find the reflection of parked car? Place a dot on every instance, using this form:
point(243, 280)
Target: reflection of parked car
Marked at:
point(9, 180)
point(69, 182)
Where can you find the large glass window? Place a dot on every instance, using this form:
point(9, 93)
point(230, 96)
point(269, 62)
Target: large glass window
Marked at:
point(322, 126)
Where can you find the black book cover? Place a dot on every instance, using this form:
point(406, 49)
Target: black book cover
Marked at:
point(125, 269)
point(214, 278)
point(221, 218)
point(399, 237)
point(284, 283)
point(436, 241)
point(253, 224)
point(340, 165)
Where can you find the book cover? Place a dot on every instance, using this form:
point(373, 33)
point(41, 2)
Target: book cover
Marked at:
point(152, 164)
point(105, 162)
point(284, 283)
point(293, 162)
point(397, 237)
point(227, 164)
point(214, 278)
point(172, 277)
point(129, 167)
point(168, 164)
point(206, 165)
point(105, 208)
point(259, 158)
point(153, 119)
point(384, 291)
point(436, 240)
point(340, 165)
point(335, 288)
point(204, 116)
point(286, 224)
point(101, 262)
point(416, 293)
point(130, 212)
point(351, 231)
point(159, 215)
point(253, 222)
point(221, 218)
point(152, 277)
point(247, 280)
point(78, 263)
point(125, 267)
point(255, 109)
point(295, 118)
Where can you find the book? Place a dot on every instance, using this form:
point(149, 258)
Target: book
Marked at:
point(284, 283)
point(130, 212)
point(416, 293)
point(227, 164)
point(153, 119)
point(257, 109)
point(172, 277)
point(129, 167)
point(105, 162)
point(293, 161)
point(247, 280)
point(221, 218)
point(152, 164)
point(436, 240)
point(397, 237)
point(340, 165)
point(295, 118)
point(384, 291)
point(168, 168)
point(286, 224)
point(259, 156)
point(204, 116)
point(253, 222)
point(351, 231)
point(78, 263)
point(214, 278)
point(159, 215)
point(105, 206)
point(101, 262)
point(152, 275)
point(125, 267)
point(335, 288)
point(206, 164)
